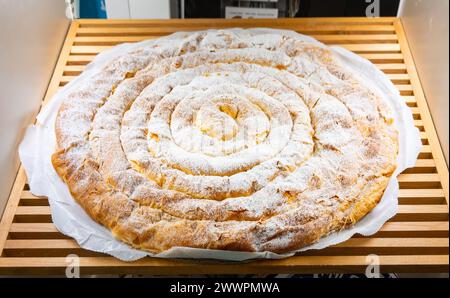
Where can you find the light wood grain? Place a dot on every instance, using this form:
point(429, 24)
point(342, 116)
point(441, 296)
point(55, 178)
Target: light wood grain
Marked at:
point(296, 264)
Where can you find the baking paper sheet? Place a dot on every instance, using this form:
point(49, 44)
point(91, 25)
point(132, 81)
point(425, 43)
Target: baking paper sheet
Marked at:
point(70, 219)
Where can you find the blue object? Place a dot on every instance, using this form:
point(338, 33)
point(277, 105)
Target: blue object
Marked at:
point(92, 9)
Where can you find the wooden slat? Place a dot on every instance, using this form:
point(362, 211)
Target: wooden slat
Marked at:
point(399, 78)
point(428, 163)
point(73, 70)
point(33, 228)
point(310, 29)
point(206, 23)
point(419, 125)
point(422, 213)
point(109, 40)
point(421, 193)
point(33, 210)
point(79, 59)
point(410, 101)
point(371, 48)
point(405, 89)
point(93, 50)
point(384, 58)
point(392, 242)
point(392, 67)
point(414, 229)
point(424, 137)
point(351, 243)
point(11, 207)
point(421, 196)
point(357, 38)
point(328, 39)
point(354, 246)
point(426, 149)
point(26, 194)
point(296, 264)
point(419, 181)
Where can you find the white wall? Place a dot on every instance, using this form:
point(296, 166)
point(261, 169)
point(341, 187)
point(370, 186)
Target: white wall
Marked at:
point(31, 35)
point(426, 26)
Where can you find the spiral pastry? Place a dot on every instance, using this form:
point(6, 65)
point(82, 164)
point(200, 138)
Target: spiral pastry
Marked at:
point(237, 140)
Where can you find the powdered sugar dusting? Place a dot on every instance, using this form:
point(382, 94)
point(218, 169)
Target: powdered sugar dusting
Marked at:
point(243, 141)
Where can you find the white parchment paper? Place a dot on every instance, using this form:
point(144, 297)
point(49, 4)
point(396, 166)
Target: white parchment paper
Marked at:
point(70, 219)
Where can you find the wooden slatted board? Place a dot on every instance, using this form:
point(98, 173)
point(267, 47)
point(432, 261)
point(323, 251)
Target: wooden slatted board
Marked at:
point(416, 240)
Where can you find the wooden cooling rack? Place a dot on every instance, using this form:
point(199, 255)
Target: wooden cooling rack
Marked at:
point(415, 240)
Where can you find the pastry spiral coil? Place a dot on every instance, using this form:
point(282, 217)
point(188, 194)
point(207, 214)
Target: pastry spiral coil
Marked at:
point(237, 140)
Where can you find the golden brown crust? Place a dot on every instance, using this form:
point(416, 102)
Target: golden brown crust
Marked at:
point(220, 140)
